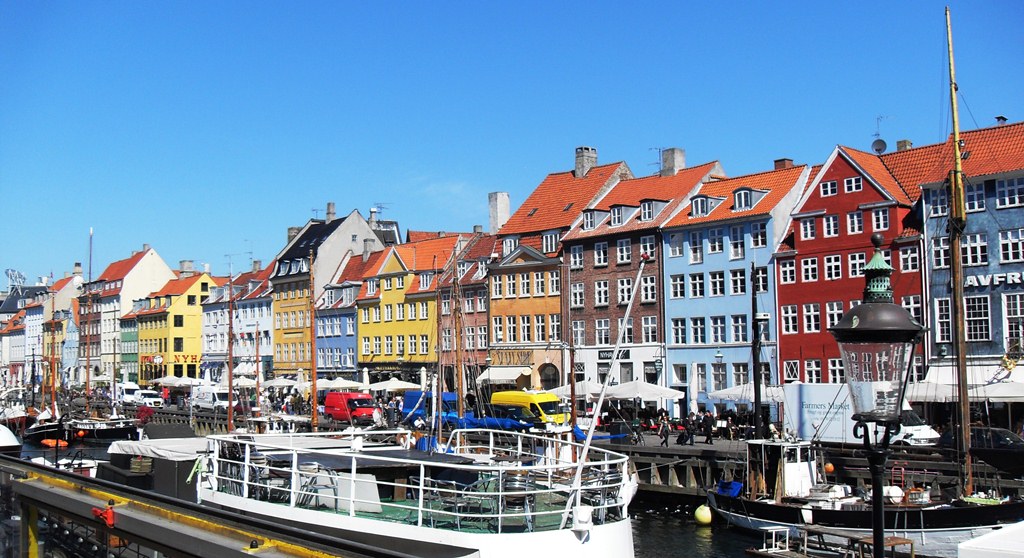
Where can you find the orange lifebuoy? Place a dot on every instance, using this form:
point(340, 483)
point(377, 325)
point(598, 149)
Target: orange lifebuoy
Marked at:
point(80, 433)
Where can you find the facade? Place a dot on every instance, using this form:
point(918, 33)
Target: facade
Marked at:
point(241, 310)
point(531, 250)
point(603, 255)
point(325, 243)
point(336, 335)
point(718, 261)
point(397, 306)
point(12, 320)
point(820, 265)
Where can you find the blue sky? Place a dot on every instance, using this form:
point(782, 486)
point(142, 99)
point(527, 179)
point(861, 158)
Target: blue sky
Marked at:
point(208, 128)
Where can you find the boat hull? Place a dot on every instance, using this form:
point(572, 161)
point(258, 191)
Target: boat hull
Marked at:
point(121, 430)
point(935, 531)
point(36, 433)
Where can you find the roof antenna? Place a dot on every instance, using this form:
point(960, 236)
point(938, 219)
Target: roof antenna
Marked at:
point(878, 146)
point(658, 162)
point(316, 213)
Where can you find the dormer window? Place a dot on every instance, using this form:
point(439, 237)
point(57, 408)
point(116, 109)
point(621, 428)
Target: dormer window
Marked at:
point(464, 267)
point(742, 201)
point(549, 242)
point(426, 278)
point(509, 244)
point(588, 220)
point(616, 216)
point(646, 211)
point(699, 207)
point(371, 286)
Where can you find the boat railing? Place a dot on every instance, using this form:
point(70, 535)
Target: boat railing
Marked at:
point(485, 482)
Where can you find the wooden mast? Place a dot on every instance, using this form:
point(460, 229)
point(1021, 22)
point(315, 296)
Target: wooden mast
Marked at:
point(957, 223)
point(314, 418)
point(231, 349)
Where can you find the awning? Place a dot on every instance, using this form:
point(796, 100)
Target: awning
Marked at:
point(503, 374)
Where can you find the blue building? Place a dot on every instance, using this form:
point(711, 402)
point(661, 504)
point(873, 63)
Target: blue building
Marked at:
point(336, 333)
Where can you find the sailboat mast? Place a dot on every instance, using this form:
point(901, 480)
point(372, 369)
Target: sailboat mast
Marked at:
point(957, 223)
point(314, 417)
point(755, 351)
point(231, 348)
point(53, 346)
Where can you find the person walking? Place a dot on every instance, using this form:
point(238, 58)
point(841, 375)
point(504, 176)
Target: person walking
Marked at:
point(691, 428)
point(664, 430)
point(708, 423)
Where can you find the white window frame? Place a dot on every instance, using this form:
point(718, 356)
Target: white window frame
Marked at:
point(1010, 193)
point(855, 222)
point(737, 243)
point(787, 272)
point(1011, 246)
point(623, 251)
point(809, 270)
point(880, 219)
point(600, 254)
point(833, 267)
point(974, 197)
point(938, 202)
point(758, 235)
point(910, 259)
point(808, 228)
point(830, 226)
point(716, 240)
point(853, 184)
point(696, 245)
point(549, 242)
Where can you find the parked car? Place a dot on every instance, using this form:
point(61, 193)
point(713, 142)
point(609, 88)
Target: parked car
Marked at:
point(148, 397)
point(998, 447)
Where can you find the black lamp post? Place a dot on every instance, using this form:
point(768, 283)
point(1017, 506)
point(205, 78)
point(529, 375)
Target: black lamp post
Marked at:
point(877, 341)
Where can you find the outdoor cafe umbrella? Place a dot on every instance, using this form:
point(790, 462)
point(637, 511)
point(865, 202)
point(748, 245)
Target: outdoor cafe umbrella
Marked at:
point(393, 384)
point(339, 383)
point(279, 382)
point(745, 392)
point(639, 389)
point(584, 388)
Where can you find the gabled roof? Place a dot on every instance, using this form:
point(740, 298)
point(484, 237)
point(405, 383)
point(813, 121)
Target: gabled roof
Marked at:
point(417, 236)
point(427, 254)
point(118, 270)
point(559, 199)
point(877, 172)
point(479, 248)
point(181, 285)
point(774, 183)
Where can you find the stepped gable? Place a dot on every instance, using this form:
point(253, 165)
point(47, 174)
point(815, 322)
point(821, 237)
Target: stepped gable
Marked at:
point(775, 183)
point(559, 199)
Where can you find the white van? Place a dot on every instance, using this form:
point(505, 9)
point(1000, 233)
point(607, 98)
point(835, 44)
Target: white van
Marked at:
point(126, 392)
point(210, 398)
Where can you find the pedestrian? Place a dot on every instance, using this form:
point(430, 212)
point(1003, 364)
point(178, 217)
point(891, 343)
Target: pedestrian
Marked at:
point(708, 423)
point(691, 428)
point(663, 431)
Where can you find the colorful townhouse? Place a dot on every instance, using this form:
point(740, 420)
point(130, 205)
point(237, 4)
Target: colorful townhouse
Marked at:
point(314, 251)
point(526, 283)
point(397, 305)
point(169, 324)
point(820, 264)
point(12, 320)
point(242, 311)
point(718, 267)
point(106, 299)
point(463, 315)
point(603, 254)
point(336, 332)
point(68, 324)
point(992, 254)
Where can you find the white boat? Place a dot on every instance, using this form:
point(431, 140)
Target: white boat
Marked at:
point(486, 493)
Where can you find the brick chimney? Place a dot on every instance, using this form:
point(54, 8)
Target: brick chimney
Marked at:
point(903, 144)
point(586, 159)
point(673, 160)
point(330, 211)
point(783, 164)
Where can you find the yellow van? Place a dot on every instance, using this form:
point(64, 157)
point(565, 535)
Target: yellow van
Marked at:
point(546, 406)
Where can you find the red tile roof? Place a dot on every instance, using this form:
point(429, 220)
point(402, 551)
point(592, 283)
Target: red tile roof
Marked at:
point(560, 198)
point(876, 170)
point(427, 254)
point(119, 269)
point(776, 184)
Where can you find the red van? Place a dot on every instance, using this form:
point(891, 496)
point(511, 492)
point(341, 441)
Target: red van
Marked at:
point(349, 406)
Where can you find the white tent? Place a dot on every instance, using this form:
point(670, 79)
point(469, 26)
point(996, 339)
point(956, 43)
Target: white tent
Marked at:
point(639, 389)
point(584, 388)
point(745, 392)
point(243, 382)
point(503, 374)
point(931, 392)
point(392, 384)
point(339, 383)
point(999, 392)
point(279, 382)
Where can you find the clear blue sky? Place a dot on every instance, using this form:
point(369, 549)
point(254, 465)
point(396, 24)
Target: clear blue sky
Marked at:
point(208, 128)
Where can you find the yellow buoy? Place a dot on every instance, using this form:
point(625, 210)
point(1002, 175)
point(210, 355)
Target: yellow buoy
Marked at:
point(702, 515)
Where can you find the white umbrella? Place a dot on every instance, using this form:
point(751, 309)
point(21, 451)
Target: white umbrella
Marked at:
point(639, 389)
point(584, 388)
point(238, 383)
point(166, 380)
point(393, 384)
point(279, 382)
point(999, 392)
point(931, 392)
point(340, 383)
point(102, 379)
point(745, 392)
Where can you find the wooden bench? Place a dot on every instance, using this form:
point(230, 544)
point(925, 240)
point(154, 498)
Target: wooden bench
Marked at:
point(889, 542)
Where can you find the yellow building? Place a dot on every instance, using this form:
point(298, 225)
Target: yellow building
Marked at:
point(397, 309)
point(170, 326)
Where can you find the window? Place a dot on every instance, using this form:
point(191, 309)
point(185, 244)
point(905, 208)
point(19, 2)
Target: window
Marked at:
point(376, 345)
point(716, 279)
point(857, 264)
point(600, 254)
point(740, 374)
point(940, 252)
point(524, 284)
point(510, 285)
point(741, 200)
point(700, 372)
point(791, 370)
point(698, 334)
point(833, 312)
point(787, 271)
point(809, 270)
point(646, 211)
point(739, 328)
point(576, 257)
point(696, 247)
point(812, 371)
point(601, 293)
point(602, 329)
point(836, 373)
point(938, 202)
point(588, 220)
point(975, 249)
point(1013, 309)
point(576, 295)
point(623, 251)
point(388, 310)
point(511, 329)
point(366, 345)
point(760, 279)
point(677, 286)
point(579, 332)
point(509, 244)
point(446, 306)
point(974, 197)
point(943, 321)
point(647, 246)
point(880, 219)
point(789, 319)
point(736, 243)
point(830, 224)
point(909, 260)
point(718, 329)
point(1009, 193)
point(853, 184)
point(812, 318)
point(648, 288)
point(696, 285)
point(737, 281)
point(854, 222)
point(616, 216)
point(833, 267)
point(977, 318)
point(549, 242)
point(718, 376)
point(913, 305)
point(554, 282)
point(538, 283)
point(376, 314)
point(1011, 246)
point(758, 235)
point(400, 345)
point(679, 331)
point(424, 345)
point(699, 206)
point(625, 288)
point(807, 228)
point(524, 329)
point(424, 311)
point(388, 342)
point(497, 288)
point(179, 321)
point(829, 188)
point(626, 331)
point(716, 242)
point(675, 244)
point(555, 327)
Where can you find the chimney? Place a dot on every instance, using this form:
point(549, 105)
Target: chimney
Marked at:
point(78, 269)
point(783, 164)
point(373, 218)
point(1000, 120)
point(673, 160)
point(330, 211)
point(367, 247)
point(586, 159)
point(145, 247)
point(478, 229)
point(257, 265)
point(498, 206)
point(903, 144)
point(186, 267)
point(293, 232)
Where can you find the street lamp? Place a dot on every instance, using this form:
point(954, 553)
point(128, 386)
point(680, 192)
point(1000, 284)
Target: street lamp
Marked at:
point(877, 340)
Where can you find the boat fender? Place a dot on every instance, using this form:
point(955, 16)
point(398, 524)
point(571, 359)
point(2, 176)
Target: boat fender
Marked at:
point(702, 515)
point(80, 433)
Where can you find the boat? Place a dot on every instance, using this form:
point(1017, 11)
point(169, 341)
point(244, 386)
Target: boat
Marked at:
point(109, 428)
point(9, 444)
point(785, 487)
point(48, 426)
point(487, 493)
point(13, 413)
